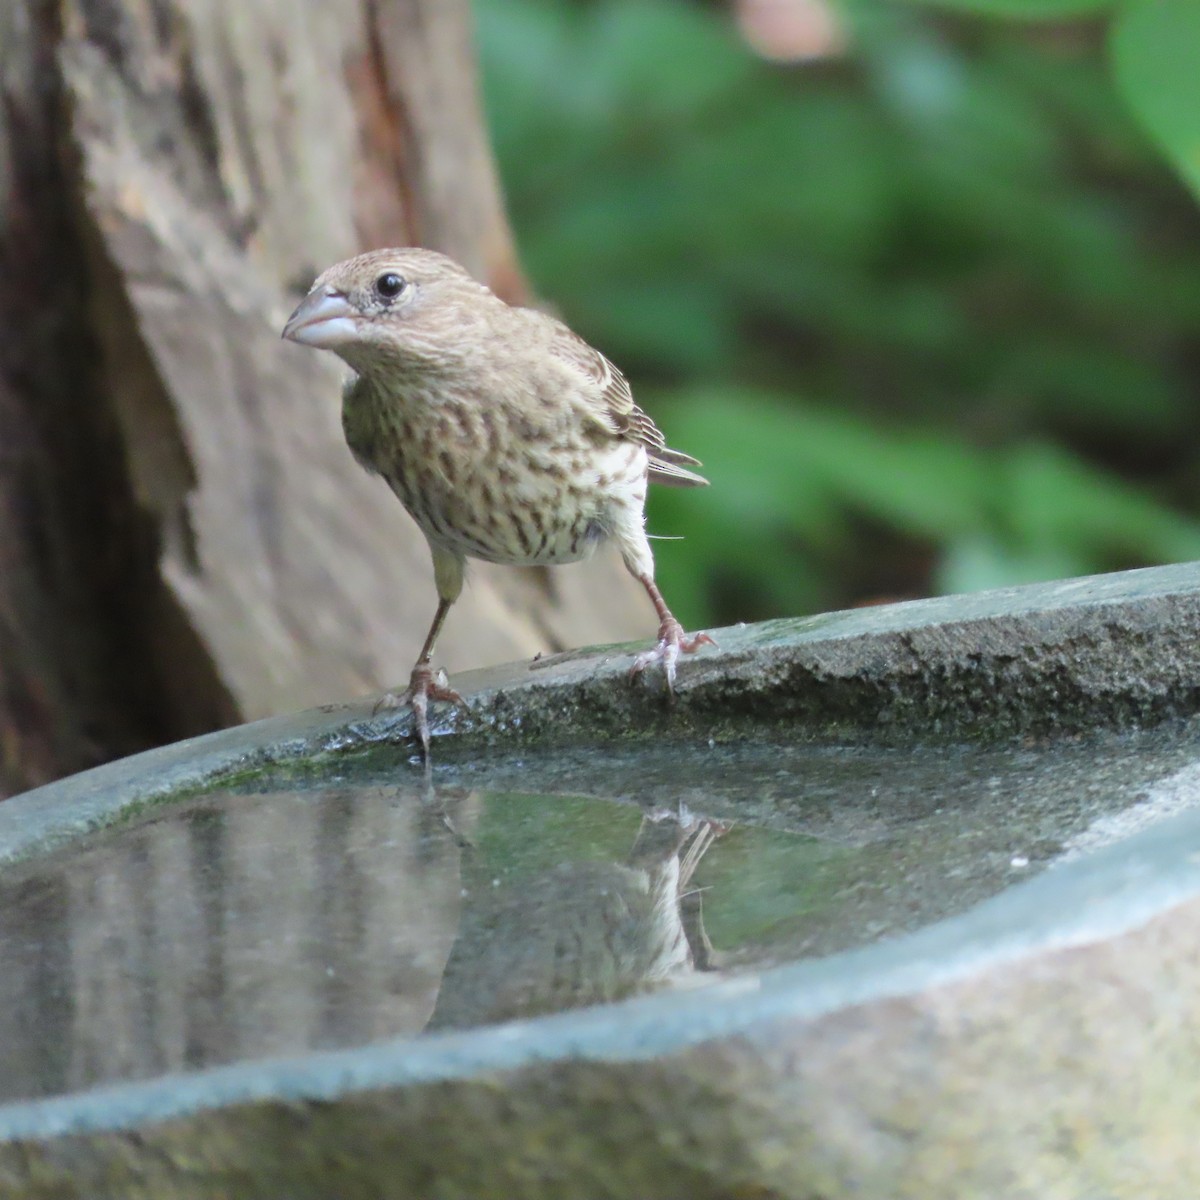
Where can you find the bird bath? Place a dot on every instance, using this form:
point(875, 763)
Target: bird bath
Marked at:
point(889, 897)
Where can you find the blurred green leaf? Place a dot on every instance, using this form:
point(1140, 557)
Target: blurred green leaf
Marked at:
point(648, 54)
point(1053, 499)
point(1156, 54)
point(984, 560)
point(1032, 512)
point(1030, 10)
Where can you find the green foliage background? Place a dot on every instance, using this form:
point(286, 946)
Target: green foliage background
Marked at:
point(928, 311)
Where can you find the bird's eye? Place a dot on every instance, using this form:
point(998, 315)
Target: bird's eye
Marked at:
point(389, 285)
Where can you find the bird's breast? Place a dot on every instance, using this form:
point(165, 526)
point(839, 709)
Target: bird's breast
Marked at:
point(505, 485)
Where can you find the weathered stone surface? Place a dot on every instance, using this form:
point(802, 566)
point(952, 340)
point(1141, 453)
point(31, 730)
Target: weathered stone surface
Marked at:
point(1042, 1044)
point(1107, 651)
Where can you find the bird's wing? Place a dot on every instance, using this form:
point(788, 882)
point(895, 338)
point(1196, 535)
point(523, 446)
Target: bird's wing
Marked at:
point(621, 414)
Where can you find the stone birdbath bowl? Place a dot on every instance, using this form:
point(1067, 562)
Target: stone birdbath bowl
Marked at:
point(899, 902)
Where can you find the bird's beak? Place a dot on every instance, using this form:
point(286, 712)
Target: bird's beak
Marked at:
point(324, 319)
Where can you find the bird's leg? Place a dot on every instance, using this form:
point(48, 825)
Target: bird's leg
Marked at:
point(424, 686)
point(671, 638)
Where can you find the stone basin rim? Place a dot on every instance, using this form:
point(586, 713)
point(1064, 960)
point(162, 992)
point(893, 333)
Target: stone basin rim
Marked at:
point(1112, 891)
point(56, 813)
point(1090, 899)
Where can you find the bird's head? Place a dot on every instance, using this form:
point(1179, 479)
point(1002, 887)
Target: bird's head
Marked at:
point(388, 309)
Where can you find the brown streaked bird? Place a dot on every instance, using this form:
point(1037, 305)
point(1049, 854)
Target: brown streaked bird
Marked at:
point(505, 435)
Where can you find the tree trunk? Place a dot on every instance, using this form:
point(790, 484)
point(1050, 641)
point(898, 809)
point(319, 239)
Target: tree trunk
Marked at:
point(185, 540)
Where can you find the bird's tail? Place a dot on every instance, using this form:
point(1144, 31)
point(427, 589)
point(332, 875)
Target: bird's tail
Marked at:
point(670, 467)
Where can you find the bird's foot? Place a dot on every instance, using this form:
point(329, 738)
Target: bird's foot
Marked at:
point(671, 642)
point(423, 687)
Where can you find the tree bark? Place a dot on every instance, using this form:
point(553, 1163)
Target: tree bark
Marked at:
point(185, 540)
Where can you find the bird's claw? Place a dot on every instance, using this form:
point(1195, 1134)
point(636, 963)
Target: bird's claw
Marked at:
point(423, 687)
point(671, 642)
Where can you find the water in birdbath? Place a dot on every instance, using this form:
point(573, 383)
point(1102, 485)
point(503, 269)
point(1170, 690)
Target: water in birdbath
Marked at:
point(332, 910)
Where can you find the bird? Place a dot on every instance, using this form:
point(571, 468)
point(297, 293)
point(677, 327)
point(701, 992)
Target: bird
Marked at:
point(581, 932)
point(506, 436)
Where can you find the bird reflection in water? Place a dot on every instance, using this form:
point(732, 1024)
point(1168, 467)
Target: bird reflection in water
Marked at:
point(583, 933)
